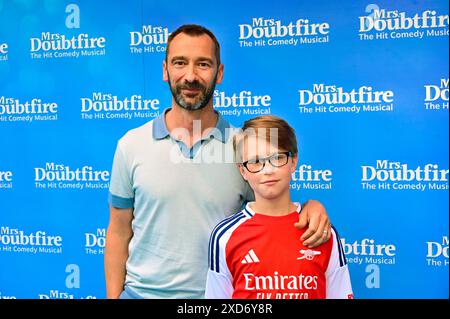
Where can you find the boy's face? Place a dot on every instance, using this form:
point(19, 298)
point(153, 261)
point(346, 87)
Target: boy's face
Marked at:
point(271, 182)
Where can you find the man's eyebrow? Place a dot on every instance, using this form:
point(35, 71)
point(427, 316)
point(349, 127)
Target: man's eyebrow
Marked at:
point(202, 58)
point(180, 57)
point(206, 59)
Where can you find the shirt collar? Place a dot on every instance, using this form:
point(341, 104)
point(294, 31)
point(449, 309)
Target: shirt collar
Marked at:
point(220, 132)
point(252, 212)
point(160, 130)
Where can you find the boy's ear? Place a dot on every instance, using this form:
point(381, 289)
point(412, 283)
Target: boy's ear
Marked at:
point(294, 163)
point(241, 170)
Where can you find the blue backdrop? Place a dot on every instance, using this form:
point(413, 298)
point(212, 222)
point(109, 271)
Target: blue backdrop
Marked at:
point(364, 84)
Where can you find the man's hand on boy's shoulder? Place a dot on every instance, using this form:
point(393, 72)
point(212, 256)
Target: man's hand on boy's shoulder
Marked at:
point(314, 215)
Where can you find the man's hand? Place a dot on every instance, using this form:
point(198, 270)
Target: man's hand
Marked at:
point(319, 227)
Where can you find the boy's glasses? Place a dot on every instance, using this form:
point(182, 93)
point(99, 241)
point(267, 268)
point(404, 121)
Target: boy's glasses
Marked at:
point(257, 164)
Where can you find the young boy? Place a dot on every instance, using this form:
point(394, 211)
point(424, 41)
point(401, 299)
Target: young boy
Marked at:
point(257, 253)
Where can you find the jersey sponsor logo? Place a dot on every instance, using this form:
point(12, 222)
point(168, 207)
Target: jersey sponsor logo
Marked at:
point(250, 258)
point(308, 254)
point(280, 282)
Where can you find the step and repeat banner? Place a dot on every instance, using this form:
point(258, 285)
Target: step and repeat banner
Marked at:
point(364, 84)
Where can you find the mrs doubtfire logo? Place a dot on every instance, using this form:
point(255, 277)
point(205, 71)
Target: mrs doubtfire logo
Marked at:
point(270, 32)
point(16, 240)
point(368, 251)
point(322, 98)
point(50, 45)
point(383, 24)
point(6, 180)
point(56, 45)
point(108, 106)
point(387, 175)
point(436, 96)
point(149, 39)
point(243, 102)
point(305, 177)
point(3, 51)
point(95, 242)
point(17, 110)
point(437, 252)
point(60, 176)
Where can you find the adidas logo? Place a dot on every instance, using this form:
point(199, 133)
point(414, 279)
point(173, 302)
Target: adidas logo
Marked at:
point(250, 258)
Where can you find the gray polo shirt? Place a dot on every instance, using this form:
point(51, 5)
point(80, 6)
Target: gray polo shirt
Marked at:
point(178, 194)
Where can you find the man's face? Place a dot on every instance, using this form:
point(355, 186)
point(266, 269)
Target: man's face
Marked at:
point(192, 71)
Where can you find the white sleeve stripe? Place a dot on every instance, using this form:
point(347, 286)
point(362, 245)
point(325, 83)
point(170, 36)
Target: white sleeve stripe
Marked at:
point(215, 237)
point(337, 274)
point(342, 259)
point(213, 234)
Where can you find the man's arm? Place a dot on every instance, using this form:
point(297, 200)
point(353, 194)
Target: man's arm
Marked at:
point(319, 227)
point(118, 237)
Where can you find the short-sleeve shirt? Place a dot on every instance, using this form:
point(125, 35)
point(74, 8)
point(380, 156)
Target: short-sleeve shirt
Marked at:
point(177, 195)
point(256, 256)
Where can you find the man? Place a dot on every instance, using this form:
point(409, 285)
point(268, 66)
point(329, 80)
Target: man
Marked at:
point(164, 202)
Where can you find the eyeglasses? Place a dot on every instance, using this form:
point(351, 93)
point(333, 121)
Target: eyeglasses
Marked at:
point(257, 164)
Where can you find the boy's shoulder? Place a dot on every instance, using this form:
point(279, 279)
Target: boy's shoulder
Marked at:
point(230, 224)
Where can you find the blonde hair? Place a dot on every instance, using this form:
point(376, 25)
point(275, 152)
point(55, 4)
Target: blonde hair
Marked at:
point(273, 128)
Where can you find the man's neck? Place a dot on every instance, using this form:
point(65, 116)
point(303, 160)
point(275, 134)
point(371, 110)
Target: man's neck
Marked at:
point(190, 126)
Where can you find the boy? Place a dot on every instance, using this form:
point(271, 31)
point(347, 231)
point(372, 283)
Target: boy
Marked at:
point(257, 253)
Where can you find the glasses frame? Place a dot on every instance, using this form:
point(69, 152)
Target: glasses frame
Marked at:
point(268, 159)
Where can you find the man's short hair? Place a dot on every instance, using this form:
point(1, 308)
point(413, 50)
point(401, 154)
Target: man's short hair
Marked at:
point(194, 30)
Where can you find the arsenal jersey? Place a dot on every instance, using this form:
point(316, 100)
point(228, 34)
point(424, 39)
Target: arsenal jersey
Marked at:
point(256, 256)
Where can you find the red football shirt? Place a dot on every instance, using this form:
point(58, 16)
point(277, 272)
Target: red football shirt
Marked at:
point(262, 257)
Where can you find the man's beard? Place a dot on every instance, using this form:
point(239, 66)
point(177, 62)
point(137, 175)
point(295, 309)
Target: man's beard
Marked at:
point(204, 96)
